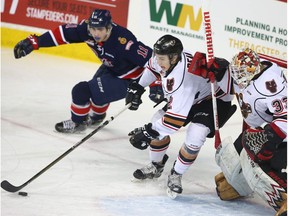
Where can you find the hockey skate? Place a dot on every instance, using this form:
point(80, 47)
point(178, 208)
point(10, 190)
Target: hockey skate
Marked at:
point(69, 126)
point(95, 120)
point(174, 184)
point(152, 170)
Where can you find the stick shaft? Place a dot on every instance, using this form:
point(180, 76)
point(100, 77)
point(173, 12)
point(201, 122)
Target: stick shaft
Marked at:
point(282, 63)
point(210, 56)
point(11, 188)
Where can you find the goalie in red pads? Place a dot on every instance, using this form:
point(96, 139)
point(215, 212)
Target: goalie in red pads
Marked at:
point(257, 160)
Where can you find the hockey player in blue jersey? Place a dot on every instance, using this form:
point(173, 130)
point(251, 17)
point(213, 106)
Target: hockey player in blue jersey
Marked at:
point(123, 59)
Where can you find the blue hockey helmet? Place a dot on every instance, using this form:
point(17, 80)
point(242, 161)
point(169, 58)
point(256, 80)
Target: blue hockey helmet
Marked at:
point(100, 18)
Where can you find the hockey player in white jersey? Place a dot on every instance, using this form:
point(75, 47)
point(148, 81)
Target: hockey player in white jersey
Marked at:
point(258, 159)
point(188, 103)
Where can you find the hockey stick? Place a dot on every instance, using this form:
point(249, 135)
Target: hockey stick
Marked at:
point(210, 56)
point(282, 63)
point(11, 188)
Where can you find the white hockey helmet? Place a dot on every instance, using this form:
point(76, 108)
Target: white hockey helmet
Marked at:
point(244, 66)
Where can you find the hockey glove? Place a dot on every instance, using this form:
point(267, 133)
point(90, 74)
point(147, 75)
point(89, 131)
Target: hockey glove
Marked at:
point(198, 65)
point(141, 137)
point(156, 92)
point(261, 144)
point(216, 67)
point(26, 46)
point(134, 93)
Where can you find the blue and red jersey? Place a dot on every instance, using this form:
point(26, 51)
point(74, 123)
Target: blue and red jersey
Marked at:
point(122, 54)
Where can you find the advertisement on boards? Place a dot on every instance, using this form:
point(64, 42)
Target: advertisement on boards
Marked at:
point(263, 29)
point(180, 18)
point(49, 14)
point(235, 24)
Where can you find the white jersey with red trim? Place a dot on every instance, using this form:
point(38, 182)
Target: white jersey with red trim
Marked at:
point(265, 99)
point(182, 90)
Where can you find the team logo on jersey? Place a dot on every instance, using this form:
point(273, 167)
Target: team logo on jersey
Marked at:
point(122, 40)
point(271, 86)
point(101, 50)
point(170, 84)
point(245, 107)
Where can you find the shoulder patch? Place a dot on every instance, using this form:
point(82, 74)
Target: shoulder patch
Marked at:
point(129, 44)
point(270, 82)
point(271, 86)
point(122, 40)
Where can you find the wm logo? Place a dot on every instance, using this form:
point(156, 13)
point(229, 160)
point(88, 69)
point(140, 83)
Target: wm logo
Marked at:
point(181, 14)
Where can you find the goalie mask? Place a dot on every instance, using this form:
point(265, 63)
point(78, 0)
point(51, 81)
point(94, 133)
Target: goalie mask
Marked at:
point(244, 66)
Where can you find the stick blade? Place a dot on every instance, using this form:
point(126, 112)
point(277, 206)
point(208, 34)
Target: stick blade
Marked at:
point(9, 187)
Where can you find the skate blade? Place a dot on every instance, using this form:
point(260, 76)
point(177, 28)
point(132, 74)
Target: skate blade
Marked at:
point(135, 180)
point(171, 194)
point(79, 133)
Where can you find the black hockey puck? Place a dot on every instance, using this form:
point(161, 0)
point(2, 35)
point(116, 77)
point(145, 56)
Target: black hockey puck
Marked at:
point(23, 193)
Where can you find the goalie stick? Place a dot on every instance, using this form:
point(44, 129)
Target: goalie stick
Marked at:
point(280, 62)
point(209, 57)
point(11, 188)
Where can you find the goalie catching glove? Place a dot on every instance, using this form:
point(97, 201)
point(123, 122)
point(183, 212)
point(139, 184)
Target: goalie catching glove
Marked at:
point(260, 144)
point(141, 137)
point(134, 93)
point(26, 46)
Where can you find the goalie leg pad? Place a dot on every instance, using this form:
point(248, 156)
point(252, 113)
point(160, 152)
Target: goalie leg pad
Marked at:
point(262, 184)
point(283, 210)
point(224, 190)
point(229, 161)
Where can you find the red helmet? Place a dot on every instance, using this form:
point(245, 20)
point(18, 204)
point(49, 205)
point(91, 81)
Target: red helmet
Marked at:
point(244, 66)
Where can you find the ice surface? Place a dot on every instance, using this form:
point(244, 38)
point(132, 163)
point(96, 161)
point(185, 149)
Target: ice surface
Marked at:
point(94, 179)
